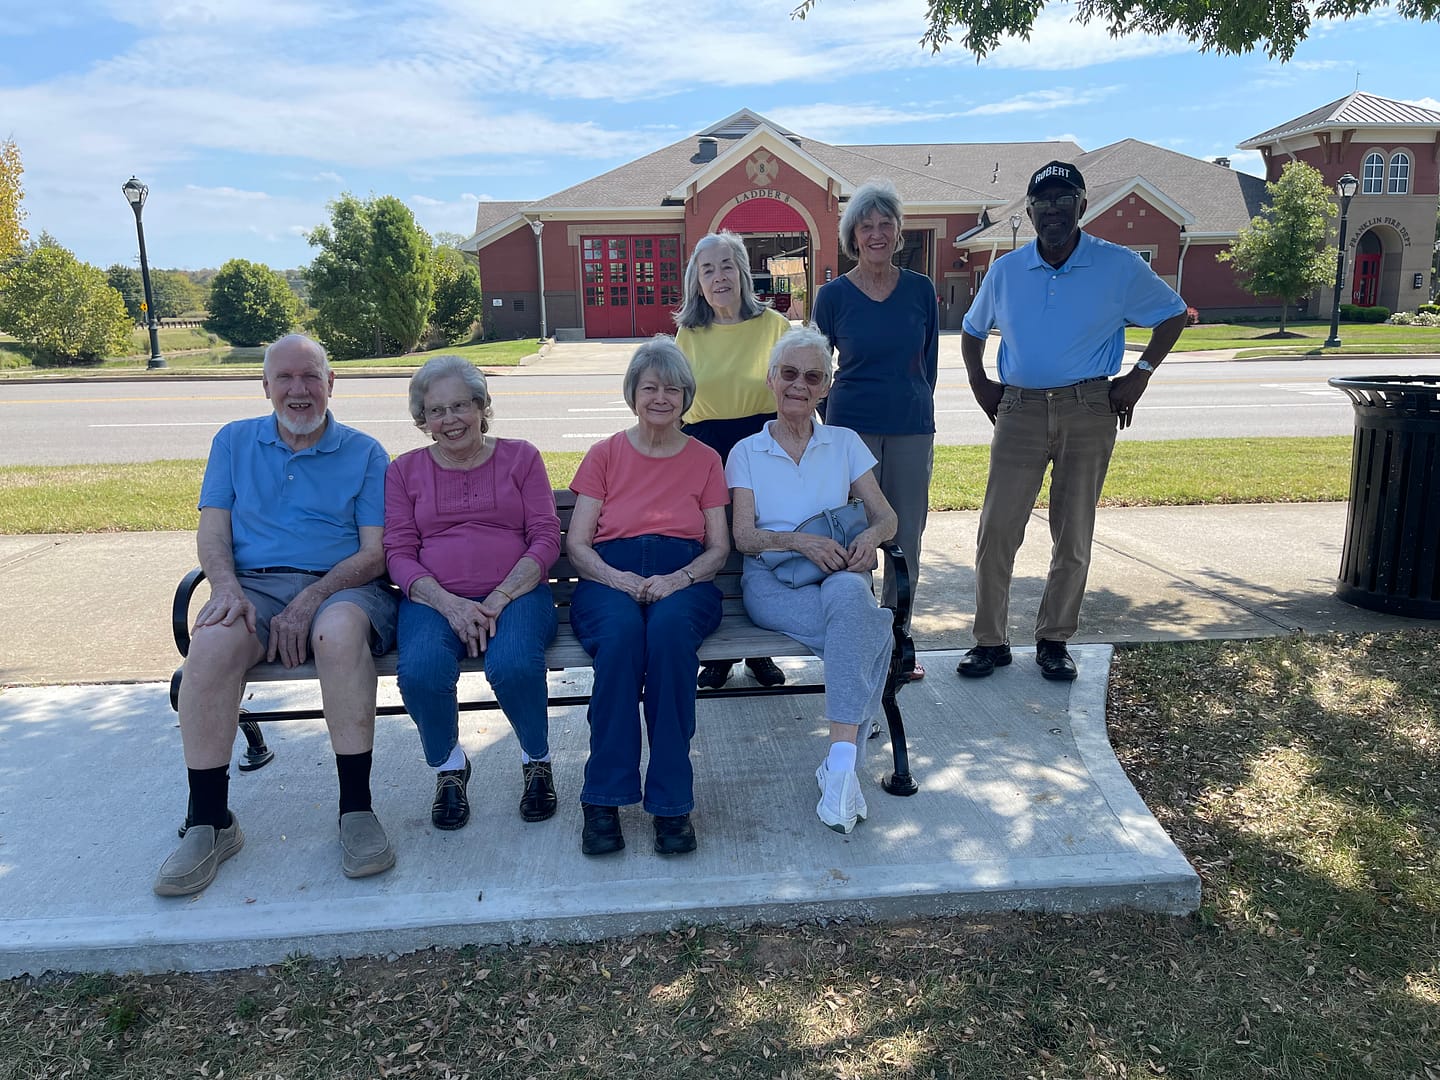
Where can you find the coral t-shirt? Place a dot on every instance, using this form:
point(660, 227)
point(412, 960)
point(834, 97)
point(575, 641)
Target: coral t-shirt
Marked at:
point(644, 496)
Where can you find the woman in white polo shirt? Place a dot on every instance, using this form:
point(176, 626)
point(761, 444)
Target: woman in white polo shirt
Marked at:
point(791, 469)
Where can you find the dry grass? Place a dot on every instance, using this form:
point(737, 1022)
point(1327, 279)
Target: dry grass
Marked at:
point(1300, 775)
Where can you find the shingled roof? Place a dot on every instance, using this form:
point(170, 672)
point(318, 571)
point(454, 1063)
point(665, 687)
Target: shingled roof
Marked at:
point(1354, 110)
point(1219, 200)
point(977, 176)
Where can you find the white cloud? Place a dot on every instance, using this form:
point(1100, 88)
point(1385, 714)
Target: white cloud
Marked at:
point(1059, 43)
point(1043, 100)
point(835, 121)
point(1246, 161)
point(1423, 103)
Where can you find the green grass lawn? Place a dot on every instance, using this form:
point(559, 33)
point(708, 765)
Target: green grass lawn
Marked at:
point(1311, 337)
point(1300, 776)
point(188, 351)
point(161, 495)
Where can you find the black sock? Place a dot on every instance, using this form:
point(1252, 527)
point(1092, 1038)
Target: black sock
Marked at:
point(354, 771)
point(210, 796)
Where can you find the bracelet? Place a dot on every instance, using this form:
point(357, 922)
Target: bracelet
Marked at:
point(503, 593)
point(686, 571)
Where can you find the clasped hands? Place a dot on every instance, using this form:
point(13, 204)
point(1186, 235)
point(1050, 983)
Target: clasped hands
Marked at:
point(825, 553)
point(473, 621)
point(649, 590)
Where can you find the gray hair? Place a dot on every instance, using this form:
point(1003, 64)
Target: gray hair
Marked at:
point(438, 367)
point(798, 338)
point(662, 356)
point(873, 195)
point(695, 312)
point(303, 340)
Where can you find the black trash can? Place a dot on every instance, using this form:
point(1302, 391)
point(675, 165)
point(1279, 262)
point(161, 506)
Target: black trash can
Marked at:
point(1391, 561)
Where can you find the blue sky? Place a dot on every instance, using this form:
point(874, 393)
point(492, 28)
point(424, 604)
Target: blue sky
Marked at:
point(246, 119)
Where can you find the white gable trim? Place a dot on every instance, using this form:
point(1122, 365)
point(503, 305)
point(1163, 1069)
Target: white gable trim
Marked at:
point(1153, 195)
point(773, 140)
point(494, 232)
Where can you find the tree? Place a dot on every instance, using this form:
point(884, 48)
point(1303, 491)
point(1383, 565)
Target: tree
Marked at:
point(250, 304)
point(12, 214)
point(64, 306)
point(458, 300)
point(127, 282)
point(401, 273)
point(1285, 251)
point(1223, 28)
point(175, 294)
point(371, 284)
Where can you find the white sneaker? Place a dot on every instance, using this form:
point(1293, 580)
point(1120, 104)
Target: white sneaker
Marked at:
point(841, 801)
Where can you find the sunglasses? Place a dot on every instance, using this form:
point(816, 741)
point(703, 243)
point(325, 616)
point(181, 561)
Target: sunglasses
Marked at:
point(1059, 202)
point(812, 377)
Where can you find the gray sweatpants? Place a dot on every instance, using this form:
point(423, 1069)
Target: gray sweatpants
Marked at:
point(903, 467)
point(840, 622)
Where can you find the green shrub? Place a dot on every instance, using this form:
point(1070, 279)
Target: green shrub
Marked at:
point(1356, 313)
point(1429, 309)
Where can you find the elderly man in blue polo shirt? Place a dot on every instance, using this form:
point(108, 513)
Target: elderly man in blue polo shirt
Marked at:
point(1061, 304)
point(292, 510)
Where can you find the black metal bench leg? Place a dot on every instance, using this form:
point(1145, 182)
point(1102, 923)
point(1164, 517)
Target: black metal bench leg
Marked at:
point(257, 754)
point(900, 782)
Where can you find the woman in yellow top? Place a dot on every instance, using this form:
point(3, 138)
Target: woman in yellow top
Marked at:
point(727, 333)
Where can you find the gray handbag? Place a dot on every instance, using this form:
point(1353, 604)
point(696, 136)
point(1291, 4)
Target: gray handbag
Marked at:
point(841, 524)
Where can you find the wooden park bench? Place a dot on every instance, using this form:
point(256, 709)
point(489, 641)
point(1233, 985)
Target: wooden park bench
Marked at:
point(736, 636)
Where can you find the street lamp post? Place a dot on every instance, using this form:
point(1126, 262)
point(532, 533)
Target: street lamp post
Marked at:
point(135, 193)
point(539, 227)
point(1014, 228)
point(1346, 186)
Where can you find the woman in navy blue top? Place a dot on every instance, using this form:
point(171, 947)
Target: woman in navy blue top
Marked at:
point(884, 322)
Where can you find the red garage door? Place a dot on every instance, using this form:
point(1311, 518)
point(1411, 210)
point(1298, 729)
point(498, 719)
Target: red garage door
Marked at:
point(632, 284)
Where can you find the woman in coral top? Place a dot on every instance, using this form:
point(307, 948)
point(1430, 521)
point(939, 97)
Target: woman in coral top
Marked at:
point(647, 536)
point(470, 536)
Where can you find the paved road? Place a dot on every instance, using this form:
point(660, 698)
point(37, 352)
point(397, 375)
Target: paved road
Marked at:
point(89, 422)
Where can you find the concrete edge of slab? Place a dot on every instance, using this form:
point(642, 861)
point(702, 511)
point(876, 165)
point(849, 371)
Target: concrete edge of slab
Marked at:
point(191, 940)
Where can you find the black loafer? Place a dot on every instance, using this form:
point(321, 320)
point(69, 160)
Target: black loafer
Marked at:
point(674, 835)
point(714, 674)
point(601, 834)
point(1054, 660)
point(766, 671)
point(982, 660)
point(451, 808)
point(538, 802)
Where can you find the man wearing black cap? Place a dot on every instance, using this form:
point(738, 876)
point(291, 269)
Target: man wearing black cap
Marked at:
point(1061, 304)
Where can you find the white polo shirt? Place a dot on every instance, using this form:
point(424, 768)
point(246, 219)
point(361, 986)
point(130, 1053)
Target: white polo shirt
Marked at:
point(786, 493)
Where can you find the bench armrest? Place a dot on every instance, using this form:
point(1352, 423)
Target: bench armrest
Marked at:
point(898, 571)
point(180, 609)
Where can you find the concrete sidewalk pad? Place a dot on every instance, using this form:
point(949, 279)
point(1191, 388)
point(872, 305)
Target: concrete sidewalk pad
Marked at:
point(1022, 806)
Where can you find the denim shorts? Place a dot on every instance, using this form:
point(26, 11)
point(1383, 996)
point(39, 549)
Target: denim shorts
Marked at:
point(271, 593)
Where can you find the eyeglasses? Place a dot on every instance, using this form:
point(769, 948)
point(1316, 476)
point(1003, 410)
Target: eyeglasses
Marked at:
point(459, 408)
point(812, 377)
point(1059, 202)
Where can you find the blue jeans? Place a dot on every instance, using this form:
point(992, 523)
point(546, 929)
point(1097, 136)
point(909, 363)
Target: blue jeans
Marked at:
point(428, 668)
point(644, 654)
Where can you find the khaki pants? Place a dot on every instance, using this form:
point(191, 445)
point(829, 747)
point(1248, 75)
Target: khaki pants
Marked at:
point(1073, 429)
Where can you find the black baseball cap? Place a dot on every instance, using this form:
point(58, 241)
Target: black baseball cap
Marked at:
point(1056, 172)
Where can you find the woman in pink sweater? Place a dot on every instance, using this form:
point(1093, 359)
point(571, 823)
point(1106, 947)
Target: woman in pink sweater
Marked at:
point(470, 536)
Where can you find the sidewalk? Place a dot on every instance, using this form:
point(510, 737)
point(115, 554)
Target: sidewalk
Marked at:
point(1022, 802)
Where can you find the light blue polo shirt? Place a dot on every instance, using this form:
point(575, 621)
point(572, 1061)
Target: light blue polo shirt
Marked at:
point(1060, 327)
point(786, 493)
point(295, 508)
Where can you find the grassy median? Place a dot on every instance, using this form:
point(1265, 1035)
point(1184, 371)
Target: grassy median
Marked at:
point(161, 495)
point(1300, 775)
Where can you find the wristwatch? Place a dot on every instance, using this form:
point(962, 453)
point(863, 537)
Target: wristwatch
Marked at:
point(1145, 366)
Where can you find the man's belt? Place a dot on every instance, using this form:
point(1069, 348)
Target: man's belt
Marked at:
point(283, 570)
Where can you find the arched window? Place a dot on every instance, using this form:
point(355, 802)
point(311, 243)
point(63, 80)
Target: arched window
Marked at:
point(1374, 174)
point(1400, 174)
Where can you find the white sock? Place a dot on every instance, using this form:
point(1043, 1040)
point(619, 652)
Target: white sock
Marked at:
point(842, 757)
point(526, 759)
point(455, 762)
